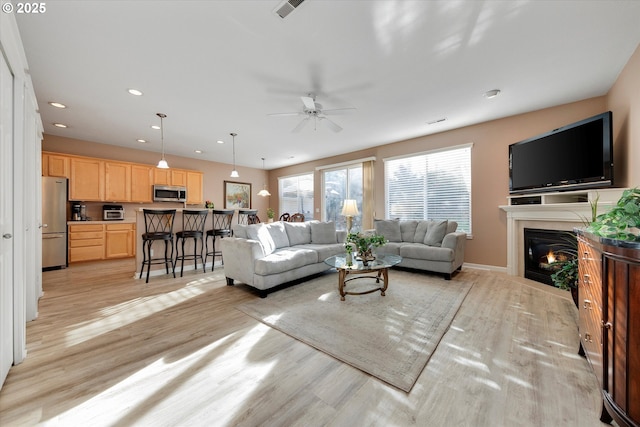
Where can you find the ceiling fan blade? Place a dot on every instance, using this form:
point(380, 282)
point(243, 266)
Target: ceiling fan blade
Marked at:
point(300, 125)
point(308, 102)
point(336, 111)
point(331, 125)
point(296, 113)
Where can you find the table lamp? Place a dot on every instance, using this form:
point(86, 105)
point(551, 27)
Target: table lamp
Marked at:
point(349, 210)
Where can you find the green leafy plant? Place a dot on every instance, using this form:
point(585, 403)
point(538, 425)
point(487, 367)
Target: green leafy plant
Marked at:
point(622, 221)
point(271, 213)
point(363, 242)
point(566, 277)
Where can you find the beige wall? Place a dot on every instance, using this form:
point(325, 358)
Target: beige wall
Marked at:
point(490, 175)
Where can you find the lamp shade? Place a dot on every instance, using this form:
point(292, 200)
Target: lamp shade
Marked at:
point(264, 193)
point(350, 208)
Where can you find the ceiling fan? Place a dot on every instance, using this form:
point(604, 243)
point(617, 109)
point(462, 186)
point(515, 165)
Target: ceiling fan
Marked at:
point(313, 110)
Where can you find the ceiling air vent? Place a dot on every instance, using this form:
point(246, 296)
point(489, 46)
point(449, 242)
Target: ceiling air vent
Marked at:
point(288, 6)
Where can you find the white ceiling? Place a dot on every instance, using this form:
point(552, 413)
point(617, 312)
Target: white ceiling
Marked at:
point(216, 67)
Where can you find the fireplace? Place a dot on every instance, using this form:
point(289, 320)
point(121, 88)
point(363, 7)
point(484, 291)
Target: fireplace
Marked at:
point(544, 250)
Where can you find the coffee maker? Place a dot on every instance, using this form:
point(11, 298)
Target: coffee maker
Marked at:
point(76, 212)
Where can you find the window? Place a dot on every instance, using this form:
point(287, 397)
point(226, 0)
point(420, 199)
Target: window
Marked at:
point(340, 184)
point(296, 195)
point(433, 185)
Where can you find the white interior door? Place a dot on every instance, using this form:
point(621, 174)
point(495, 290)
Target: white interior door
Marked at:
point(6, 218)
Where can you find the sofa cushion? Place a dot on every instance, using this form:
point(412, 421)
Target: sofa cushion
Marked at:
point(323, 232)
point(435, 233)
point(278, 234)
point(239, 230)
point(408, 230)
point(389, 228)
point(299, 233)
point(326, 250)
point(392, 248)
point(284, 259)
point(424, 252)
point(421, 231)
point(261, 233)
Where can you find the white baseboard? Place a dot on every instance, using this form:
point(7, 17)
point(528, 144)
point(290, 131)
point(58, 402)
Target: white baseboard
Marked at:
point(485, 267)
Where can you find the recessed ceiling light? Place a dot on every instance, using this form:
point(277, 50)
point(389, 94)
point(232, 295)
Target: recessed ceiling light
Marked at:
point(60, 125)
point(197, 151)
point(144, 141)
point(491, 93)
point(57, 105)
point(156, 127)
point(220, 142)
point(135, 92)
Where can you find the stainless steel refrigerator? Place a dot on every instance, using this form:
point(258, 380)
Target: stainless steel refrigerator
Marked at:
point(54, 222)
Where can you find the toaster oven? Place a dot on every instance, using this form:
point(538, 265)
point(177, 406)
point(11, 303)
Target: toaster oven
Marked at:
point(112, 212)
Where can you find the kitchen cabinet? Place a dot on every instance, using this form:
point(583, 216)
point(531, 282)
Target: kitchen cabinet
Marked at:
point(161, 176)
point(194, 188)
point(86, 182)
point(86, 242)
point(120, 240)
point(609, 322)
point(55, 165)
point(117, 182)
point(179, 177)
point(141, 183)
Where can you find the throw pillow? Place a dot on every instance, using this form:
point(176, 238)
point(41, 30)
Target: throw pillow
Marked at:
point(299, 233)
point(452, 226)
point(260, 233)
point(389, 228)
point(421, 231)
point(408, 230)
point(323, 232)
point(278, 234)
point(435, 233)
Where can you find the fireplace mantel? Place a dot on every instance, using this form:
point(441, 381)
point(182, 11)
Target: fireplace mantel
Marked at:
point(550, 211)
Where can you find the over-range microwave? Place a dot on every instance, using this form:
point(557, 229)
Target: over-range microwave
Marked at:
point(169, 193)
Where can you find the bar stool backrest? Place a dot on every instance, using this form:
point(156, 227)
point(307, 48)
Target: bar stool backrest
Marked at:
point(297, 217)
point(245, 216)
point(222, 219)
point(159, 221)
point(194, 221)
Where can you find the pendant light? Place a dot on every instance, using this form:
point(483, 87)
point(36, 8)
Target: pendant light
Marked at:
point(234, 172)
point(264, 192)
point(162, 164)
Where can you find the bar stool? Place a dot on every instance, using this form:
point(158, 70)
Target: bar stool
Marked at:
point(221, 220)
point(158, 226)
point(247, 216)
point(193, 223)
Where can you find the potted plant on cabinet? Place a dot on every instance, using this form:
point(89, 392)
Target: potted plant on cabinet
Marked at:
point(271, 214)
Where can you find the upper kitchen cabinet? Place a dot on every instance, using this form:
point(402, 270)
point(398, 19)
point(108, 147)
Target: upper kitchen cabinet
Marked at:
point(179, 177)
point(141, 183)
point(117, 182)
point(162, 176)
point(194, 188)
point(86, 181)
point(55, 165)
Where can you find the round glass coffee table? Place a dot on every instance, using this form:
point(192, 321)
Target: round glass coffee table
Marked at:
point(380, 266)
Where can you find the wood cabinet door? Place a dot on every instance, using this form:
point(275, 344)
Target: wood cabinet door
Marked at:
point(57, 165)
point(179, 177)
point(161, 176)
point(117, 182)
point(119, 242)
point(194, 188)
point(141, 182)
point(86, 180)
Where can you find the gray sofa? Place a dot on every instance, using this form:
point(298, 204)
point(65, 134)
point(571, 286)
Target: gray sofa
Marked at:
point(265, 256)
point(424, 245)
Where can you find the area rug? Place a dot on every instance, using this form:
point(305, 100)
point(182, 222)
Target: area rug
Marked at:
point(390, 337)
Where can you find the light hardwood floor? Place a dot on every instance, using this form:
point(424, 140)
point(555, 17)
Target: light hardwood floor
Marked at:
point(110, 350)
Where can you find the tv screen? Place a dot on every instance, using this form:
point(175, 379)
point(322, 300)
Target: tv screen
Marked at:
point(576, 156)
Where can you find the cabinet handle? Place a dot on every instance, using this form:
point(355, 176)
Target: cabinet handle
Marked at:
point(587, 305)
point(585, 255)
point(607, 325)
point(587, 338)
point(586, 278)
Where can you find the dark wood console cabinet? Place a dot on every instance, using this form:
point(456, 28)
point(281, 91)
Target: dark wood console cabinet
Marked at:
point(609, 322)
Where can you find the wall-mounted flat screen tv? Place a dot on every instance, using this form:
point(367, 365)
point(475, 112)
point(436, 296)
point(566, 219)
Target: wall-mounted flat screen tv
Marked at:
point(575, 156)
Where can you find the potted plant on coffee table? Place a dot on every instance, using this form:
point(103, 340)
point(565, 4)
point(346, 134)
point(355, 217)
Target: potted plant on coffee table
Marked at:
point(364, 245)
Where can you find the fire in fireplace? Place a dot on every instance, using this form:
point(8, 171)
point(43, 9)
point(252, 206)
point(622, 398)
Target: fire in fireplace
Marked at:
point(543, 251)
